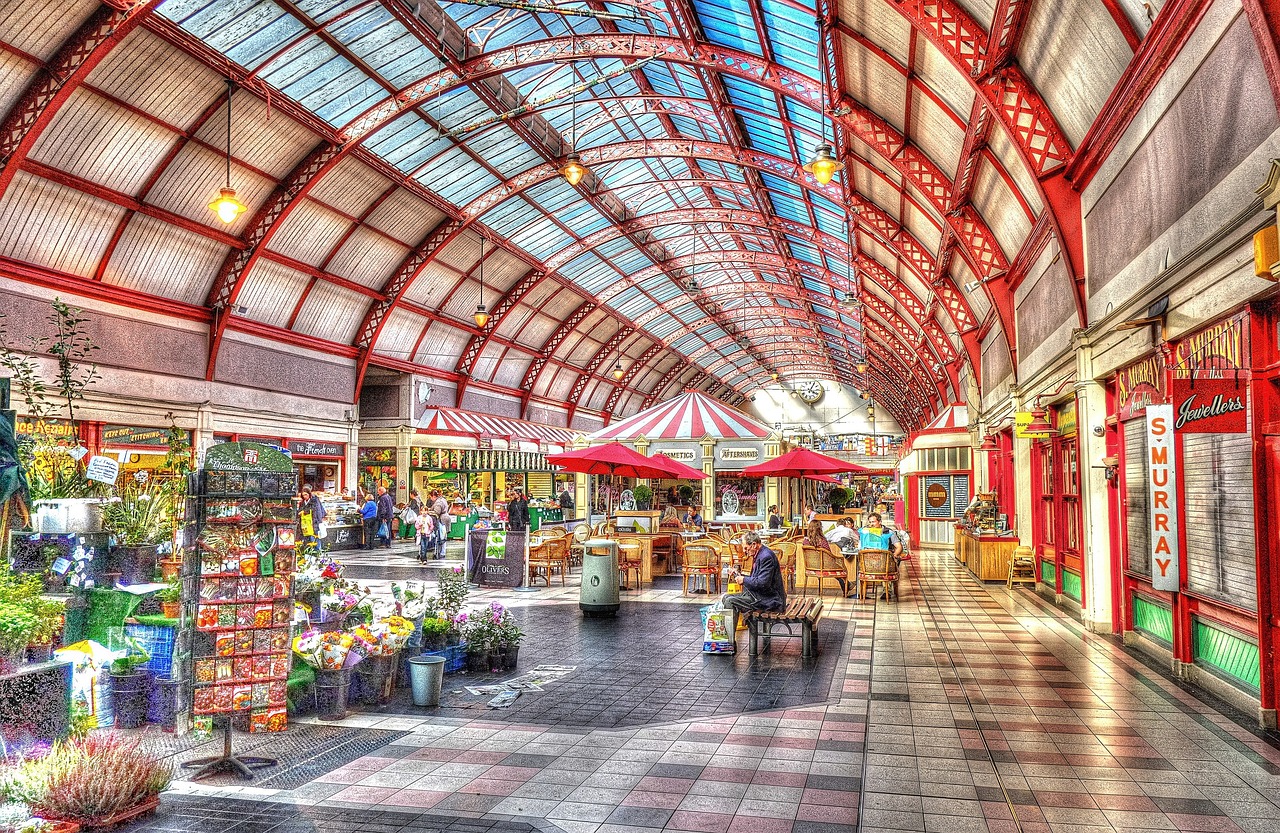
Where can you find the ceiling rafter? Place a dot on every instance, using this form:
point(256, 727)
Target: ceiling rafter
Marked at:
point(624, 384)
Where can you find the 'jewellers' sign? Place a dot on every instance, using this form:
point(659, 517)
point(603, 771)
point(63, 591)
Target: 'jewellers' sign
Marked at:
point(1211, 406)
point(1161, 481)
point(1138, 386)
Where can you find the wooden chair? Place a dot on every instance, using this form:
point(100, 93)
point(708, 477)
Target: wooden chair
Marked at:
point(821, 563)
point(630, 553)
point(787, 562)
point(877, 568)
point(558, 555)
point(701, 560)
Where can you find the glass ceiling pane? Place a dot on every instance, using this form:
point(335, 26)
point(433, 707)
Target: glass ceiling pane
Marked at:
point(728, 24)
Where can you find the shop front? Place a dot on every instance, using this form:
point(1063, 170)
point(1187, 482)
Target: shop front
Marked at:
point(1190, 552)
point(476, 480)
point(938, 478)
point(1056, 509)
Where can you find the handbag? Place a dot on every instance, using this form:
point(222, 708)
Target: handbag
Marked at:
point(384, 531)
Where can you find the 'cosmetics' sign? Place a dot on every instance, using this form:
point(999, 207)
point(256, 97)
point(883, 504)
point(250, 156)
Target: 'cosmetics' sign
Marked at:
point(1211, 406)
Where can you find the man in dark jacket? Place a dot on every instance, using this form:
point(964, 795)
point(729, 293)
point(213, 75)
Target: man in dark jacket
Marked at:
point(764, 589)
point(386, 514)
point(518, 512)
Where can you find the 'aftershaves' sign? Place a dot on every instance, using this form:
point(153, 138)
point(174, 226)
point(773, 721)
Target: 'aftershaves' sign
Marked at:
point(1161, 482)
point(1211, 406)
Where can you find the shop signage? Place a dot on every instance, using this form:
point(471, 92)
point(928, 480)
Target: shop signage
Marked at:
point(1067, 419)
point(1211, 406)
point(936, 495)
point(742, 454)
point(308, 448)
point(102, 469)
point(1021, 420)
point(134, 435)
point(1138, 386)
point(690, 455)
point(495, 558)
point(55, 428)
point(1161, 480)
point(1212, 351)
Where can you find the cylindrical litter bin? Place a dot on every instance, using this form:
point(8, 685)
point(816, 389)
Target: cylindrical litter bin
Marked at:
point(599, 593)
point(426, 676)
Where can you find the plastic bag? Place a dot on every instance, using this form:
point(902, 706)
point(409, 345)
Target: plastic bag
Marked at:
point(717, 638)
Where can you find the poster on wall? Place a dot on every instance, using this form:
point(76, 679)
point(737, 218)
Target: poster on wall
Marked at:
point(1211, 406)
point(1163, 494)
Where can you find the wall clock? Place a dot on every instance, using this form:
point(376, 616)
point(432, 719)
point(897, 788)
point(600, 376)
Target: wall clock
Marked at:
point(810, 391)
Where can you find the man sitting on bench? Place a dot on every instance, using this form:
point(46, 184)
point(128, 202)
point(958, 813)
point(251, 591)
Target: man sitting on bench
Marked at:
point(764, 589)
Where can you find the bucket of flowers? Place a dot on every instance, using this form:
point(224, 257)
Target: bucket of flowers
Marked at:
point(333, 655)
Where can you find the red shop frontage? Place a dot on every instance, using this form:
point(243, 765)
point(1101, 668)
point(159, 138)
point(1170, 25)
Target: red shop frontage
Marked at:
point(1195, 429)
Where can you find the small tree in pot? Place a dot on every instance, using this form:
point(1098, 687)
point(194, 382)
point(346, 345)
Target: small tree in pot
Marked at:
point(644, 497)
point(837, 496)
point(686, 495)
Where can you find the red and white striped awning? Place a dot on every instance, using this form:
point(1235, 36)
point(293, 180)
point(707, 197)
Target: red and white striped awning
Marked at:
point(952, 418)
point(452, 421)
point(690, 416)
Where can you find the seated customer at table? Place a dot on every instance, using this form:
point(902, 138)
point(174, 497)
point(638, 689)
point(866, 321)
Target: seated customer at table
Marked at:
point(775, 520)
point(764, 588)
point(814, 536)
point(692, 519)
point(670, 519)
point(841, 532)
point(874, 536)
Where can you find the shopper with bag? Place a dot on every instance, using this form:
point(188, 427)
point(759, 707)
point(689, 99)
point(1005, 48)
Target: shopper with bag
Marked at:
point(369, 517)
point(409, 515)
point(440, 509)
point(386, 516)
point(312, 507)
point(425, 524)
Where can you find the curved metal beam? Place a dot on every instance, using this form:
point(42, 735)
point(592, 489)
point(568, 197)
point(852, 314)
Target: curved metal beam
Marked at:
point(592, 367)
point(54, 83)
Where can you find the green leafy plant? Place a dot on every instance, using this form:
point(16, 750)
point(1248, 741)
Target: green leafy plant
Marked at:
point(170, 594)
point(643, 495)
point(21, 596)
point(451, 593)
point(17, 626)
point(509, 632)
point(91, 778)
point(433, 627)
point(686, 493)
point(133, 660)
point(140, 514)
point(837, 496)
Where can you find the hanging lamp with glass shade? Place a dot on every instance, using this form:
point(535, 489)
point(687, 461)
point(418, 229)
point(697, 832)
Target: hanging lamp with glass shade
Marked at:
point(227, 206)
point(482, 313)
point(573, 170)
point(823, 164)
point(861, 364)
point(618, 371)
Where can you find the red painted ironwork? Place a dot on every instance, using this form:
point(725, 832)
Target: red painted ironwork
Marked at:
point(1007, 26)
point(59, 78)
point(552, 344)
point(475, 345)
point(624, 384)
point(592, 367)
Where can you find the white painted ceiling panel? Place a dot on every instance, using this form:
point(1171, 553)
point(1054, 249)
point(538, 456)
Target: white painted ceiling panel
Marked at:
point(368, 258)
point(40, 28)
point(400, 333)
point(1001, 210)
point(273, 145)
point(194, 178)
point(48, 225)
point(874, 83)
point(147, 73)
point(331, 312)
point(351, 187)
point(309, 232)
point(16, 73)
point(940, 75)
point(936, 133)
point(880, 22)
point(270, 293)
point(405, 217)
point(155, 257)
point(442, 346)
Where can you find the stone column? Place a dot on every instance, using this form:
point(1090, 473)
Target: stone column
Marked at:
point(709, 485)
point(1095, 534)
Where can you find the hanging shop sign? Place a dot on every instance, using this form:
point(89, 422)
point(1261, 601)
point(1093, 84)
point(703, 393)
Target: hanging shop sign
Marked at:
point(1211, 406)
point(117, 435)
point(1067, 419)
point(309, 448)
point(1138, 386)
point(738, 455)
point(1161, 481)
point(377, 455)
point(55, 429)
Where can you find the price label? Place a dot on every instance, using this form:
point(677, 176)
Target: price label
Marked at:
point(102, 469)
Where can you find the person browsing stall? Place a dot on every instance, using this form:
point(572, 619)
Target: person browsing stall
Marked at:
point(386, 515)
point(311, 504)
point(369, 517)
point(518, 512)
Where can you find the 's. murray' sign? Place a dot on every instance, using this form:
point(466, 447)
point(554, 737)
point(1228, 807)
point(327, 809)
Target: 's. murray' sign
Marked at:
point(1162, 485)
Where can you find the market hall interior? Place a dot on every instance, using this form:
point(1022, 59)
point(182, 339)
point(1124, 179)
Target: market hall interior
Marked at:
point(1012, 262)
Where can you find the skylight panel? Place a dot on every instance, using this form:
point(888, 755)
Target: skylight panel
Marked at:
point(728, 25)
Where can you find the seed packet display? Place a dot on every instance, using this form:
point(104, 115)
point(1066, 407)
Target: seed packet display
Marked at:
point(206, 700)
point(277, 692)
point(248, 565)
point(262, 615)
point(241, 697)
point(279, 639)
point(235, 482)
point(242, 668)
point(243, 643)
point(277, 719)
point(216, 482)
point(205, 670)
point(277, 511)
point(261, 695)
point(224, 697)
point(281, 612)
point(252, 482)
point(262, 668)
point(279, 665)
point(286, 538)
point(207, 617)
point(259, 721)
point(262, 642)
point(244, 616)
point(226, 671)
point(269, 483)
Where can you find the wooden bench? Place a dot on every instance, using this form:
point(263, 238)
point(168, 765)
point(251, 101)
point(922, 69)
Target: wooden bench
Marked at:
point(799, 611)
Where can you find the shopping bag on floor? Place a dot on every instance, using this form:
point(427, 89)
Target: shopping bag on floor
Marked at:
point(716, 636)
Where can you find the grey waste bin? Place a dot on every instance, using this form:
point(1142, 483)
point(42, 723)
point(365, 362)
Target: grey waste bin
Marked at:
point(599, 594)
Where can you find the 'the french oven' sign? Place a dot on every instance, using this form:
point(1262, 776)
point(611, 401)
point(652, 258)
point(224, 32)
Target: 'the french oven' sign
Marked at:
point(1211, 406)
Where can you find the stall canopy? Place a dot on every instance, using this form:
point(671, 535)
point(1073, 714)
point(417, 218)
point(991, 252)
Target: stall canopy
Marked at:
point(801, 462)
point(690, 416)
point(952, 418)
point(454, 422)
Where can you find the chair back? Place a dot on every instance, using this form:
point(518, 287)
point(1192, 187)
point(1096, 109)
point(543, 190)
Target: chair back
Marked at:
point(823, 559)
point(557, 548)
point(875, 563)
point(581, 533)
point(786, 554)
point(701, 557)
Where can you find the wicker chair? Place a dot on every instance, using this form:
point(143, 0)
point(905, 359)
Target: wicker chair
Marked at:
point(787, 561)
point(701, 560)
point(877, 567)
point(822, 563)
point(578, 544)
point(541, 564)
point(630, 554)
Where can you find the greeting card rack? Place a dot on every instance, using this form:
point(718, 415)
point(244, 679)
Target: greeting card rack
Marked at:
point(238, 595)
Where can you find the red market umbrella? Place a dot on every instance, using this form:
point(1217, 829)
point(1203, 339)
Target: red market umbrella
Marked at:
point(800, 462)
point(689, 472)
point(616, 458)
point(821, 478)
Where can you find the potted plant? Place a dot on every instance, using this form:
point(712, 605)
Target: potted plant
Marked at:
point(139, 518)
point(28, 620)
point(95, 781)
point(644, 497)
point(435, 634)
point(686, 494)
point(17, 624)
point(509, 635)
point(170, 599)
point(837, 496)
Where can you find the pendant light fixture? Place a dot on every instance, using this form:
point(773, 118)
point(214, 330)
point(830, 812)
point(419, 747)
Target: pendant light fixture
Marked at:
point(573, 170)
point(823, 164)
point(861, 364)
point(482, 313)
point(618, 371)
point(226, 206)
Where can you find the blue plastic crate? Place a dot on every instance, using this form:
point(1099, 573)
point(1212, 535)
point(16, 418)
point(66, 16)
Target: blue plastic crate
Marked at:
point(455, 657)
point(158, 641)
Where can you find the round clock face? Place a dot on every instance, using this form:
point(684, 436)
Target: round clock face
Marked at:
point(810, 391)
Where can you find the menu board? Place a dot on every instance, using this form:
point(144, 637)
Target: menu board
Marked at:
point(245, 548)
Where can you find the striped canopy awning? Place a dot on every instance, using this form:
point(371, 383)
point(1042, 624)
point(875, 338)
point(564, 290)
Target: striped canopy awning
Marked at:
point(952, 418)
point(453, 421)
point(690, 416)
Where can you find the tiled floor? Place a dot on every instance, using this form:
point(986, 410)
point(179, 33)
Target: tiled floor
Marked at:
point(958, 708)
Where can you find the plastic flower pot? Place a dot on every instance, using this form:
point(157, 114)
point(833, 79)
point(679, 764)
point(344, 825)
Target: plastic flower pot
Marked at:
point(170, 610)
point(509, 659)
point(129, 698)
point(426, 677)
point(170, 568)
point(478, 661)
point(332, 690)
point(136, 565)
